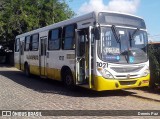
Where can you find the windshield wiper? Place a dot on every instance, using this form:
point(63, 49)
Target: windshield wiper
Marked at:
point(114, 30)
point(131, 36)
point(116, 35)
point(135, 32)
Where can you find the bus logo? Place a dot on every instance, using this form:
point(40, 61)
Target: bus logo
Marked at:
point(128, 76)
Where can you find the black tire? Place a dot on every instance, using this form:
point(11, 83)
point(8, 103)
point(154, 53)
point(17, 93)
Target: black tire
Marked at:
point(27, 71)
point(68, 80)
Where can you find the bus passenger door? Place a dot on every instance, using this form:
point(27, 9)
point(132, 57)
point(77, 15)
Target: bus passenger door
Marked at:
point(83, 57)
point(42, 56)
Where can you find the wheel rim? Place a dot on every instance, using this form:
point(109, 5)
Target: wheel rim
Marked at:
point(68, 80)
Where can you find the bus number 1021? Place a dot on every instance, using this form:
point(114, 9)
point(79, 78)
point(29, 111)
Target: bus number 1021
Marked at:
point(100, 64)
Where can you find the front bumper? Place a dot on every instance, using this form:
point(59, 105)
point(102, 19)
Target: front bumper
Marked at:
point(100, 84)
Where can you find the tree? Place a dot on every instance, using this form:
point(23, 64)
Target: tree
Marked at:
point(19, 16)
point(154, 56)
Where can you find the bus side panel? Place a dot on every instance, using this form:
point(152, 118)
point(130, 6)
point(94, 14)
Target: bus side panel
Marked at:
point(33, 60)
point(56, 60)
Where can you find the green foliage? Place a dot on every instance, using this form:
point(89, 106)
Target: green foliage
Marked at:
point(19, 16)
point(154, 57)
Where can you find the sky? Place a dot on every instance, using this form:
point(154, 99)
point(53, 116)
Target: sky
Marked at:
point(149, 10)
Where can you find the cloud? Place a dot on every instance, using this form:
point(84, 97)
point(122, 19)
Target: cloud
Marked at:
point(127, 6)
point(92, 5)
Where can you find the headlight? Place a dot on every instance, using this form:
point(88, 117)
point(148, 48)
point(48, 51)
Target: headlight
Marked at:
point(106, 74)
point(145, 73)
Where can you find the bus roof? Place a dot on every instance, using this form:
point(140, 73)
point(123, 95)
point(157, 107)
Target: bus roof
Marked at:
point(120, 13)
point(59, 24)
point(71, 21)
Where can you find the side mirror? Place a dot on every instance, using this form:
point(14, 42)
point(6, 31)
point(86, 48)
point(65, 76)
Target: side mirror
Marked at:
point(97, 33)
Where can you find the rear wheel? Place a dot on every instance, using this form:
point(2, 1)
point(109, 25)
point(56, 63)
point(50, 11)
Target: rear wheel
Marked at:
point(27, 71)
point(68, 80)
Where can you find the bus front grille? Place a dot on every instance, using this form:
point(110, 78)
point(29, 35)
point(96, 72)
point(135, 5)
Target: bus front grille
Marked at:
point(125, 76)
point(127, 82)
point(126, 69)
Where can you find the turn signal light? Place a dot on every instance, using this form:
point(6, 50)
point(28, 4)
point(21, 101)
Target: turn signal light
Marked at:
point(145, 81)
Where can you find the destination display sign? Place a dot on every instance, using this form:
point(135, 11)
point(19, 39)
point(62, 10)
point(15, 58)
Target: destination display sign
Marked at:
point(121, 20)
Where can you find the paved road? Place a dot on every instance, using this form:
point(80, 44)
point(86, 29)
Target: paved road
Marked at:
point(17, 92)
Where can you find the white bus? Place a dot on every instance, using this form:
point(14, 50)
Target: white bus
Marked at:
point(98, 50)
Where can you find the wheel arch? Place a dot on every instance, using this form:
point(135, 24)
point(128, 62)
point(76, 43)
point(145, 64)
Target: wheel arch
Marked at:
point(25, 63)
point(63, 70)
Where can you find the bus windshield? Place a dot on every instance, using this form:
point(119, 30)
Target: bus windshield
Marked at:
point(130, 48)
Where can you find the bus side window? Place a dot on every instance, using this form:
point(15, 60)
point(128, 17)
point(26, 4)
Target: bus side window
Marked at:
point(27, 43)
point(68, 37)
point(17, 45)
point(54, 39)
point(34, 42)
